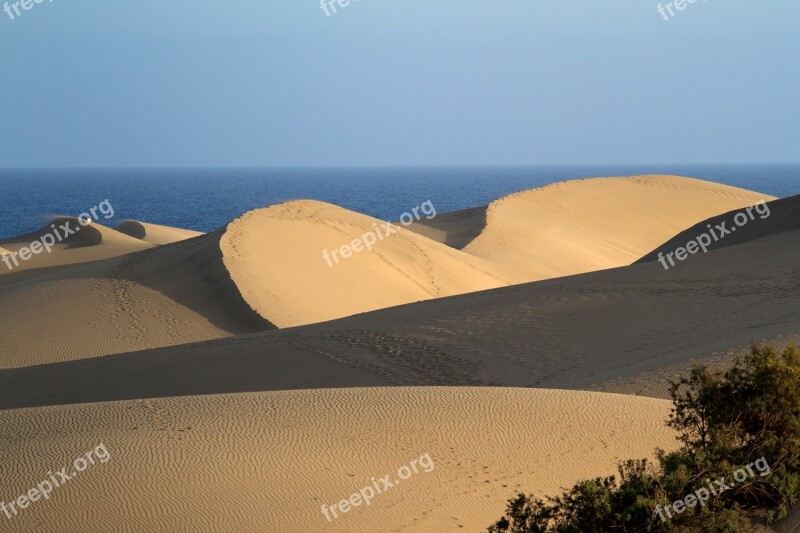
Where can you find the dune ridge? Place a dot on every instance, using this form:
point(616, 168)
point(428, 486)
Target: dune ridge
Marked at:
point(155, 233)
point(89, 243)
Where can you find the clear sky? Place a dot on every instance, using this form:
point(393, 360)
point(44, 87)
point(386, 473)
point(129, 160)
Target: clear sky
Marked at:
point(406, 82)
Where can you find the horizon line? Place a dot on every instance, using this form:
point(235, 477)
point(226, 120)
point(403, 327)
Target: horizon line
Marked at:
point(322, 167)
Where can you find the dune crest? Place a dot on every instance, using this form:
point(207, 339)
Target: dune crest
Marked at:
point(155, 233)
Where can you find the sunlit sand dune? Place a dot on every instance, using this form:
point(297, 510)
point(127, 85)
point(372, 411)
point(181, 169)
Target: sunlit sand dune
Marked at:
point(276, 258)
point(268, 462)
point(281, 257)
point(586, 225)
point(329, 405)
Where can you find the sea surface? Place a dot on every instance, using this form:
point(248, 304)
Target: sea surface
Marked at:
point(206, 199)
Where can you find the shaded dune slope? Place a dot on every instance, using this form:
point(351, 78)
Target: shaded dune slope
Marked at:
point(158, 297)
point(455, 229)
point(580, 332)
point(155, 233)
point(783, 215)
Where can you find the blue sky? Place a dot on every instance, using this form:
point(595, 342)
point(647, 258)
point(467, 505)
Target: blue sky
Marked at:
point(411, 82)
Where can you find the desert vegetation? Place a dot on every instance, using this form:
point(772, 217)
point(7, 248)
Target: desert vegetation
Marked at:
point(726, 421)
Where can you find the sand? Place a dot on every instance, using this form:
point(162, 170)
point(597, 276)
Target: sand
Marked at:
point(636, 325)
point(267, 462)
point(588, 225)
point(90, 243)
point(763, 221)
point(562, 229)
point(155, 233)
point(455, 229)
point(239, 382)
point(159, 297)
point(275, 257)
point(108, 292)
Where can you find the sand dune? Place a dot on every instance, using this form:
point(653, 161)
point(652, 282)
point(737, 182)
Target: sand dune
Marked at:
point(633, 320)
point(275, 257)
point(86, 244)
point(159, 297)
point(317, 418)
point(268, 265)
point(155, 233)
point(627, 329)
point(562, 229)
point(587, 225)
point(267, 462)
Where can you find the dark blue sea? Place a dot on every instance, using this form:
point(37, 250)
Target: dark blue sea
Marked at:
point(205, 199)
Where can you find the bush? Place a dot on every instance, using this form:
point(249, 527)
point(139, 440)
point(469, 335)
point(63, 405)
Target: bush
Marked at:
point(724, 421)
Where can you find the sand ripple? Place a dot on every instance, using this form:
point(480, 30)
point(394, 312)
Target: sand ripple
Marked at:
point(267, 461)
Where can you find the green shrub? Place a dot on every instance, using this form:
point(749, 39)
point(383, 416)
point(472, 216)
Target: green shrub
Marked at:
point(748, 416)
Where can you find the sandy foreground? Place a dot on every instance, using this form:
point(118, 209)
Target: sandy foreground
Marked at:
point(268, 461)
point(239, 382)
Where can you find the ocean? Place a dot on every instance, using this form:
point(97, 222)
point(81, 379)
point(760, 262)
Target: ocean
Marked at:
point(206, 199)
